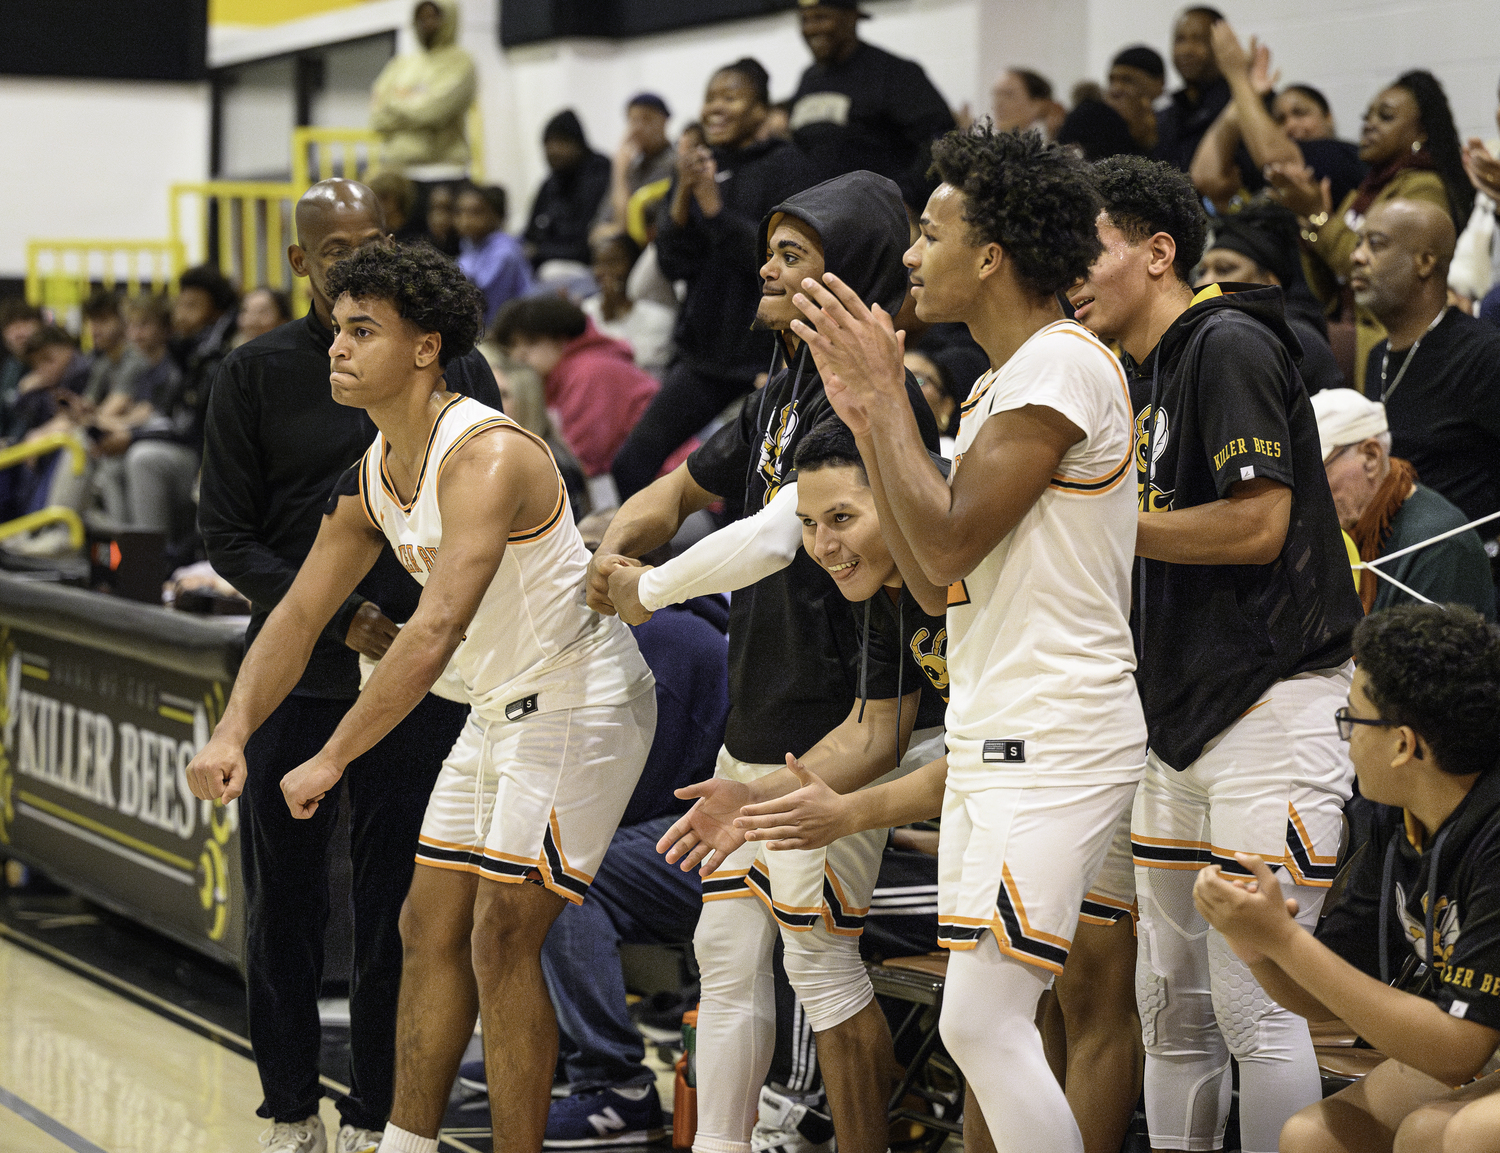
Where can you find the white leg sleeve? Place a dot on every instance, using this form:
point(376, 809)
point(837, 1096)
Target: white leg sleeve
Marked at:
point(1188, 1088)
point(736, 1020)
point(827, 974)
point(1278, 1069)
point(988, 1025)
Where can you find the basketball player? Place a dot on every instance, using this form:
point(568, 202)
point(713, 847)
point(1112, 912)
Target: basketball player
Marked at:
point(1244, 617)
point(562, 708)
point(1034, 538)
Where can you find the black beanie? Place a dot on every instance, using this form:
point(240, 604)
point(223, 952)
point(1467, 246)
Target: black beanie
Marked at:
point(1267, 234)
point(1148, 60)
point(565, 126)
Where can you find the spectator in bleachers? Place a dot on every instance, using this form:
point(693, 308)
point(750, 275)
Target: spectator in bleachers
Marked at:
point(1246, 137)
point(645, 325)
point(261, 310)
point(1476, 265)
point(1123, 119)
point(644, 157)
point(939, 395)
point(1258, 245)
point(592, 383)
point(1384, 509)
point(860, 107)
point(57, 375)
point(18, 322)
point(48, 401)
point(398, 197)
point(569, 198)
point(1438, 370)
point(421, 98)
point(114, 364)
point(708, 235)
point(148, 328)
point(442, 227)
point(1411, 147)
point(523, 397)
point(489, 256)
point(1203, 95)
point(1021, 101)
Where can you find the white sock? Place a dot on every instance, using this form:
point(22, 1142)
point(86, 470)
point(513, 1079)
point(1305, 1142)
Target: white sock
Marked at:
point(398, 1140)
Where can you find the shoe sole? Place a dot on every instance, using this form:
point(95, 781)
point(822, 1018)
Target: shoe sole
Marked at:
point(632, 1137)
point(473, 1086)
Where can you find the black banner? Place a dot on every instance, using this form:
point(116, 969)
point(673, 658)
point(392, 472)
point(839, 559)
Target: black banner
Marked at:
point(530, 21)
point(93, 785)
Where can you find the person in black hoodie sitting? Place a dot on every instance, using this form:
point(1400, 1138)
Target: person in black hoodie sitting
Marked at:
point(569, 198)
point(1242, 620)
point(794, 668)
point(1259, 245)
point(707, 237)
point(1421, 911)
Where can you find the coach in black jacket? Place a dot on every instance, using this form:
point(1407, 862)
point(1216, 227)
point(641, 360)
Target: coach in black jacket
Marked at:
point(274, 445)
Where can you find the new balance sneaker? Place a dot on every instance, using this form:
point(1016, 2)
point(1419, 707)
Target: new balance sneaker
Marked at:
point(306, 1136)
point(471, 1076)
point(786, 1125)
point(352, 1140)
point(625, 1116)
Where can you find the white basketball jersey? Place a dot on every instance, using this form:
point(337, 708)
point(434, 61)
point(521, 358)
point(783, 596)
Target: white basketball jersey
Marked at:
point(533, 645)
point(1040, 659)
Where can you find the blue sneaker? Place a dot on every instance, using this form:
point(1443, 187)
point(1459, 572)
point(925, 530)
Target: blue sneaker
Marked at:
point(630, 1115)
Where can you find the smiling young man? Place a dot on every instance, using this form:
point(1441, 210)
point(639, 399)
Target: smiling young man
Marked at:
point(794, 676)
point(1033, 538)
point(562, 708)
point(1243, 613)
point(1421, 909)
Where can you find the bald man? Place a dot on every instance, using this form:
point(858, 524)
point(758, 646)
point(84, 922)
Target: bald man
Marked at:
point(275, 443)
point(1438, 371)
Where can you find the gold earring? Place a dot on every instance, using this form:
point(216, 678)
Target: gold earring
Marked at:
point(1416, 146)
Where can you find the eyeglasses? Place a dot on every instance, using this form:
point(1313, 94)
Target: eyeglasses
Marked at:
point(1346, 723)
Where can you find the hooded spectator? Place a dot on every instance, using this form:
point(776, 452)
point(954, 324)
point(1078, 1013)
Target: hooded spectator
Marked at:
point(569, 198)
point(421, 98)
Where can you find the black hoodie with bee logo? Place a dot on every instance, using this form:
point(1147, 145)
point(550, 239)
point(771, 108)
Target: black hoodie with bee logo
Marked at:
point(794, 653)
point(1217, 402)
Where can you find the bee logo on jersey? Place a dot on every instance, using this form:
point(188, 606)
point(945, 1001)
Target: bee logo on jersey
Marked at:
point(932, 659)
point(773, 447)
point(1156, 439)
point(1445, 927)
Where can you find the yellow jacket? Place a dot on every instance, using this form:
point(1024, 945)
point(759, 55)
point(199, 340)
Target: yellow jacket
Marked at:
point(420, 100)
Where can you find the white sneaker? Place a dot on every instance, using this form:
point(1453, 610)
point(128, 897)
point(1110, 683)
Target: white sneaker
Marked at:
point(295, 1137)
point(352, 1140)
point(786, 1125)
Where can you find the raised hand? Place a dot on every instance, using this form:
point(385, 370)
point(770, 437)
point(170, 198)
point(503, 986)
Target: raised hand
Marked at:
point(705, 835)
point(1299, 189)
point(1483, 169)
point(856, 348)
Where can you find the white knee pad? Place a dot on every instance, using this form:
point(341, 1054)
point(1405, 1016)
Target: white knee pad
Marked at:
point(828, 975)
point(733, 943)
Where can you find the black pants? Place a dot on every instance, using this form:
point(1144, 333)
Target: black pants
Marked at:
point(286, 895)
point(688, 400)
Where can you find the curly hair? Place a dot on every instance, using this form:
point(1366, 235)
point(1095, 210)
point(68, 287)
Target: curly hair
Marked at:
point(1143, 197)
point(423, 286)
point(1035, 200)
point(1436, 668)
point(1442, 140)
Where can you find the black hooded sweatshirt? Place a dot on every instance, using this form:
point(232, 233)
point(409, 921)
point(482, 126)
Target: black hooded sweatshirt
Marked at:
point(1405, 901)
point(794, 660)
point(1219, 401)
point(720, 258)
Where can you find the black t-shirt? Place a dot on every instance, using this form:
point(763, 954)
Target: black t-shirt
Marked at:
point(793, 641)
point(873, 111)
point(1466, 912)
point(908, 651)
point(1444, 414)
point(1230, 407)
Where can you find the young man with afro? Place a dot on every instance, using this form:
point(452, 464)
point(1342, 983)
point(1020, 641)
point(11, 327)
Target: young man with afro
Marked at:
point(1033, 538)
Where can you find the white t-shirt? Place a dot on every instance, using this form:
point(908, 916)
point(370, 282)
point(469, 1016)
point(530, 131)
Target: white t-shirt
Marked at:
point(1040, 659)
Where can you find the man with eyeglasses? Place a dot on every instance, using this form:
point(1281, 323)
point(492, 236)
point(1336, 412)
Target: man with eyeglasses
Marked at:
point(1421, 910)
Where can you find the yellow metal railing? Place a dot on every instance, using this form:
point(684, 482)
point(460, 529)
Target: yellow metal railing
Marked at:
point(59, 273)
point(55, 514)
point(323, 153)
point(255, 225)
